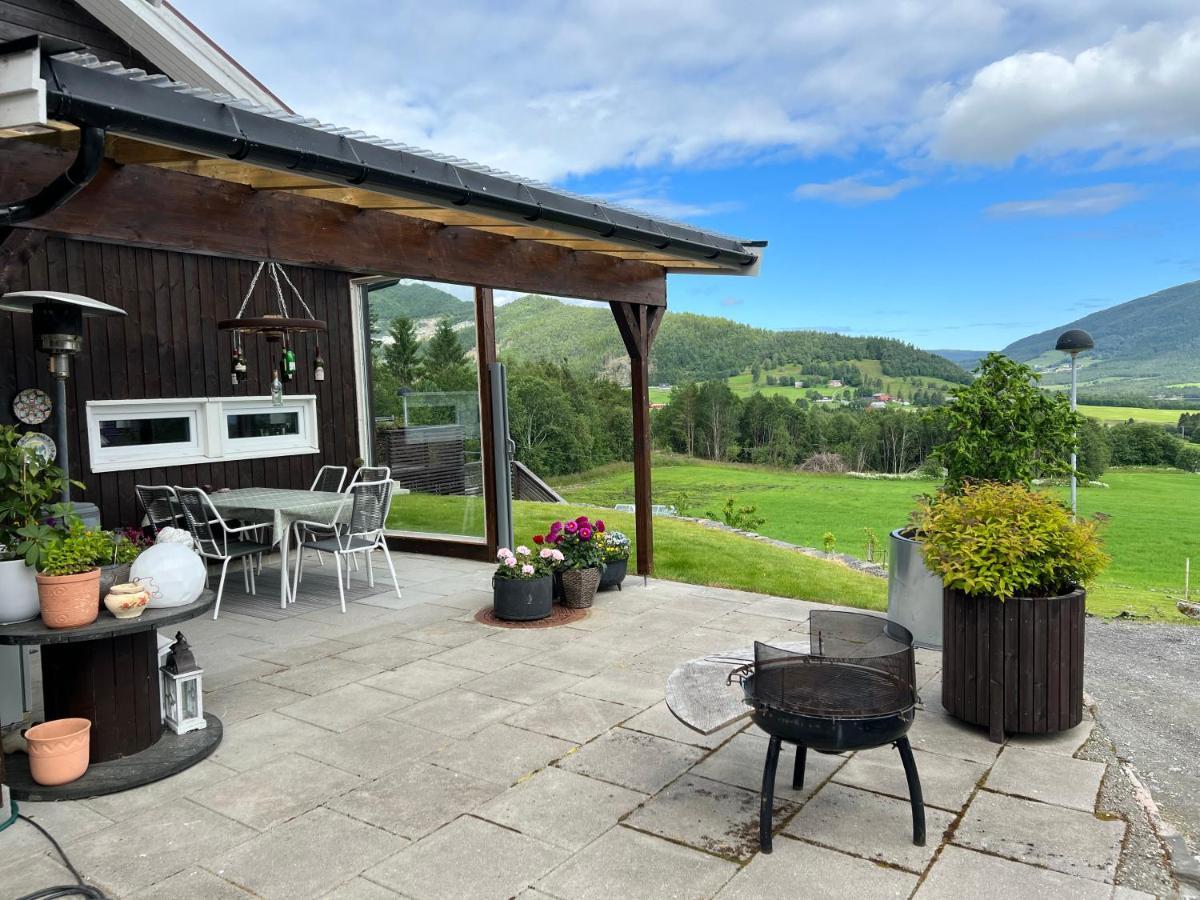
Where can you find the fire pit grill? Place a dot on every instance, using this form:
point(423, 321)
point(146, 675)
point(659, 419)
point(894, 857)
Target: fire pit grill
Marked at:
point(855, 689)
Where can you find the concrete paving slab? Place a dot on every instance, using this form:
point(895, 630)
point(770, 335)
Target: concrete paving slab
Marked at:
point(245, 745)
point(1065, 840)
point(31, 873)
point(469, 859)
point(946, 782)
point(298, 653)
point(1051, 778)
point(950, 737)
point(389, 653)
point(740, 762)
point(192, 833)
point(1064, 743)
point(630, 865)
point(798, 867)
point(959, 873)
point(501, 753)
point(541, 639)
point(228, 669)
point(868, 825)
point(717, 818)
point(273, 793)
point(343, 708)
point(447, 632)
point(125, 804)
point(483, 655)
point(621, 685)
point(376, 747)
point(521, 683)
point(321, 675)
point(193, 883)
point(247, 699)
point(458, 713)
point(571, 717)
point(66, 821)
point(421, 679)
point(306, 857)
point(360, 889)
point(659, 720)
point(415, 800)
point(641, 762)
point(561, 808)
point(579, 658)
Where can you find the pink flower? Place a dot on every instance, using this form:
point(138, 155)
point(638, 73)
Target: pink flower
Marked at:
point(523, 550)
point(558, 539)
point(556, 527)
point(582, 520)
point(585, 533)
point(546, 553)
point(503, 553)
point(557, 555)
point(527, 569)
point(600, 525)
point(571, 527)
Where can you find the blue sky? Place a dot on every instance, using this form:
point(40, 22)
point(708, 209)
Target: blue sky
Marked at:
point(957, 174)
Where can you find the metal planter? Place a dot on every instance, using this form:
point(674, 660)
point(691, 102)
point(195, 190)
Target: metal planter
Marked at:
point(914, 592)
point(519, 600)
point(613, 573)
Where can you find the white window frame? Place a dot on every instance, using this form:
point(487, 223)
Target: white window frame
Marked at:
point(210, 441)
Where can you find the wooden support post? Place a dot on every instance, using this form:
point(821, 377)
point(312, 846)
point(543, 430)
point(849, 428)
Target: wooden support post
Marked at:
point(638, 325)
point(485, 344)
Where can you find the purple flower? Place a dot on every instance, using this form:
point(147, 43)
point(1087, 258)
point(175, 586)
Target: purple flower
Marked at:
point(582, 520)
point(600, 525)
point(556, 527)
point(558, 539)
point(585, 533)
point(571, 527)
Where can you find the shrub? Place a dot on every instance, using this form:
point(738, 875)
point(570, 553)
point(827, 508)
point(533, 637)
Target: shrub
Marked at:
point(1006, 540)
point(744, 518)
point(1003, 427)
point(828, 541)
point(827, 463)
point(79, 550)
point(28, 487)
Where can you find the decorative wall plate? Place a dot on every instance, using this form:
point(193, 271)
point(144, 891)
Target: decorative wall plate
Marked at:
point(32, 406)
point(42, 444)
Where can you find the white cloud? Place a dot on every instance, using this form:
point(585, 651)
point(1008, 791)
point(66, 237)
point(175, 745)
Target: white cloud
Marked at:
point(554, 89)
point(853, 191)
point(1097, 200)
point(1133, 96)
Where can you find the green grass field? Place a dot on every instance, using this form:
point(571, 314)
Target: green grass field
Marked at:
point(1152, 517)
point(1112, 414)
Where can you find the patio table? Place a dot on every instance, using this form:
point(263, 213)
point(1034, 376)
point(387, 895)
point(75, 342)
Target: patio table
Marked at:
point(279, 508)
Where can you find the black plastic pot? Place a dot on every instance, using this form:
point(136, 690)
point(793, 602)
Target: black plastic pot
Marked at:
point(613, 573)
point(520, 600)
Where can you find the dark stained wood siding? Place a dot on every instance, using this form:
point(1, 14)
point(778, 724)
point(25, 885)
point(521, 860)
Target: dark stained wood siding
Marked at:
point(69, 21)
point(168, 346)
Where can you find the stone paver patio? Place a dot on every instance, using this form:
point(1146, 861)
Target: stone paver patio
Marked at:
point(402, 749)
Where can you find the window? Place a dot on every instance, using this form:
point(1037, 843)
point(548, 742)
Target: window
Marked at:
point(145, 434)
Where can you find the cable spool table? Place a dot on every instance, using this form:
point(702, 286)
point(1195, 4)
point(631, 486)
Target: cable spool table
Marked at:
point(107, 672)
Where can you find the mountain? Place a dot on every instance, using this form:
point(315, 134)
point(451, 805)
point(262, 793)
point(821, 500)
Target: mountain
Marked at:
point(696, 347)
point(965, 359)
point(417, 300)
point(1147, 346)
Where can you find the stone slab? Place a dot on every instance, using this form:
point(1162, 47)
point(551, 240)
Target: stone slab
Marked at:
point(962, 873)
point(641, 762)
point(483, 655)
point(502, 753)
point(1065, 840)
point(740, 762)
point(247, 699)
point(621, 685)
point(321, 675)
point(659, 720)
point(375, 748)
point(254, 742)
point(796, 868)
point(458, 713)
point(521, 683)
point(950, 737)
point(469, 859)
point(421, 679)
point(1049, 777)
point(946, 782)
point(193, 883)
point(561, 808)
point(571, 717)
point(630, 865)
point(343, 708)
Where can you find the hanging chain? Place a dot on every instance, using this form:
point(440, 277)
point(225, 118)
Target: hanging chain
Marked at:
point(283, 310)
point(299, 296)
point(253, 282)
point(275, 270)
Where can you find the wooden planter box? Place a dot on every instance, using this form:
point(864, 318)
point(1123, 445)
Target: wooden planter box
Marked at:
point(1014, 666)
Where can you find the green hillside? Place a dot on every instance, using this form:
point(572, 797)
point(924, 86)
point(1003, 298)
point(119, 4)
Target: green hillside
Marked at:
point(1143, 347)
point(417, 300)
point(696, 347)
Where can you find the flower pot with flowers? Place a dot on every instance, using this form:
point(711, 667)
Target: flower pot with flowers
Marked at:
point(583, 558)
point(615, 547)
point(522, 587)
point(67, 557)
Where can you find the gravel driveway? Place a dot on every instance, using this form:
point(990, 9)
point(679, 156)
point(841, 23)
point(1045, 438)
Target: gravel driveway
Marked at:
point(1146, 680)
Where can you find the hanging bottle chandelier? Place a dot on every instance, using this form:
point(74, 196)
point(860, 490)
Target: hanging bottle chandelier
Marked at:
point(278, 328)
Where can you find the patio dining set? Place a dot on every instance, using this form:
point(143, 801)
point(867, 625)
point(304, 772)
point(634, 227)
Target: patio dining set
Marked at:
point(247, 523)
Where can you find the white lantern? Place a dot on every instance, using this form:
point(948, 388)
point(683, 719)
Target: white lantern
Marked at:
point(183, 690)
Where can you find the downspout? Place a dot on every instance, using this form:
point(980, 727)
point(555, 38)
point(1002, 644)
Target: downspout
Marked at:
point(81, 171)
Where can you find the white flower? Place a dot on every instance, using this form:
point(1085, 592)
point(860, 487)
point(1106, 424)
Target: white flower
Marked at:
point(527, 569)
point(523, 550)
point(503, 553)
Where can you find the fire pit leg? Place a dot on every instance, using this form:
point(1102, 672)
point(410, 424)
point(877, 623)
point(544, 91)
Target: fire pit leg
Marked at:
point(766, 801)
point(915, 798)
point(798, 771)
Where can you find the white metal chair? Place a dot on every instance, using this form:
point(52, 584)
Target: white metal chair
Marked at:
point(369, 503)
point(216, 540)
point(369, 473)
point(161, 506)
point(329, 479)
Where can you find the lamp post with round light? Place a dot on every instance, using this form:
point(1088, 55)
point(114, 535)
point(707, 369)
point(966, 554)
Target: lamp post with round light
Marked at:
point(1074, 342)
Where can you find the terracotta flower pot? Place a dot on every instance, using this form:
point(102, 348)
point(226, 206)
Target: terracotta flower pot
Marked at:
point(69, 601)
point(59, 750)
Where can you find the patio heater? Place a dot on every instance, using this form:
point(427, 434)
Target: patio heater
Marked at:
point(1074, 342)
point(58, 332)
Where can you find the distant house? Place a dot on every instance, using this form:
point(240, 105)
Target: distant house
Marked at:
point(876, 404)
point(798, 384)
point(823, 400)
point(658, 406)
point(833, 382)
point(886, 398)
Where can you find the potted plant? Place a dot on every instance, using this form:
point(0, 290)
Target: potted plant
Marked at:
point(579, 542)
point(1002, 427)
point(28, 488)
point(67, 561)
point(615, 548)
point(1014, 564)
point(522, 589)
point(125, 545)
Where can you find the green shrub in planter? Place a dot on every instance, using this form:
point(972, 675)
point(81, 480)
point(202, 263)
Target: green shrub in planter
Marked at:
point(1006, 540)
point(1014, 565)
